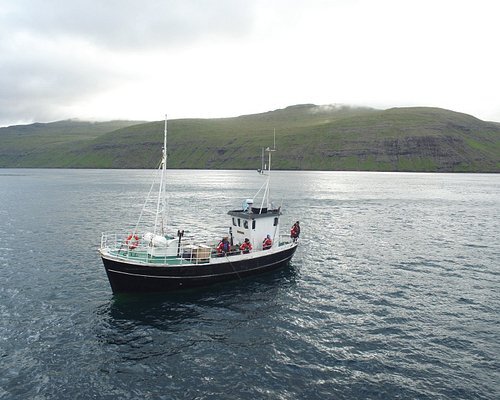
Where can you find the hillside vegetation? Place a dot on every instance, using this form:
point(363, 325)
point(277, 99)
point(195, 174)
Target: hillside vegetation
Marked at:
point(308, 137)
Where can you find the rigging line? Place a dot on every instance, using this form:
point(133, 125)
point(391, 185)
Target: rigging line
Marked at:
point(256, 194)
point(148, 197)
point(231, 264)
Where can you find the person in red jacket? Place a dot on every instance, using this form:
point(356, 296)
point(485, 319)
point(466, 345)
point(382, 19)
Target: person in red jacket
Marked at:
point(246, 246)
point(224, 247)
point(267, 243)
point(295, 231)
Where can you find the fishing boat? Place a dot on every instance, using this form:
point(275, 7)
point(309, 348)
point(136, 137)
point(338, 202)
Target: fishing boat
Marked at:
point(149, 258)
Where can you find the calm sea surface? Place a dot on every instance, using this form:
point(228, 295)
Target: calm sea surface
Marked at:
point(394, 291)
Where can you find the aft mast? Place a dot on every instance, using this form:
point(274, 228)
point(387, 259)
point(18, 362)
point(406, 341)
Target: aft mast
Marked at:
point(266, 195)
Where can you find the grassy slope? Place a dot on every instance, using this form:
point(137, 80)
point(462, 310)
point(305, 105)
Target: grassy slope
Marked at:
point(217, 143)
point(308, 137)
point(47, 144)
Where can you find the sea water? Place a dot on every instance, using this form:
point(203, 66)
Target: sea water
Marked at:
point(394, 291)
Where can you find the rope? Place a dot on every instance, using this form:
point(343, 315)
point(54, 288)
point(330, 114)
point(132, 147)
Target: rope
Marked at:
point(232, 266)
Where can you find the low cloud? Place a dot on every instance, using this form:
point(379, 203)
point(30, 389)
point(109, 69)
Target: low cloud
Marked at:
point(326, 108)
point(55, 54)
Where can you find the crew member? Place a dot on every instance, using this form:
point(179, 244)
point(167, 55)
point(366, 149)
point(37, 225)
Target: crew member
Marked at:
point(295, 231)
point(224, 247)
point(267, 243)
point(246, 246)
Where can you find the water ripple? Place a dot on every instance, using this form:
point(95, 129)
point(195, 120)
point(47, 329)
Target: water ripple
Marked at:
point(393, 292)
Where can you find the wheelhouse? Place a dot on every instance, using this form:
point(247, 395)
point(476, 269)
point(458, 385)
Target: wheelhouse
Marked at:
point(255, 224)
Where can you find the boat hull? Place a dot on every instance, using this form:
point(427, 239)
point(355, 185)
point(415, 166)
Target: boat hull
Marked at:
point(127, 277)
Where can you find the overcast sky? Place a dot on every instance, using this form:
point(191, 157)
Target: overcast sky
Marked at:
point(128, 59)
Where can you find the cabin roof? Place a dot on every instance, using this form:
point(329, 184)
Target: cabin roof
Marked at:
point(253, 215)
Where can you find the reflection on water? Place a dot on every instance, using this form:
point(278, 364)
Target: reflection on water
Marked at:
point(166, 310)
point(148, 326)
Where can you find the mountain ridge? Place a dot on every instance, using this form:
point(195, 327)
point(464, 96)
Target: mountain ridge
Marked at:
point(309, 137)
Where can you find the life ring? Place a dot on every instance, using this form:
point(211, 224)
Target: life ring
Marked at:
point(132, 241)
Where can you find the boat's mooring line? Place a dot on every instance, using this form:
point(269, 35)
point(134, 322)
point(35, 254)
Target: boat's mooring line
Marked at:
point(232, 266)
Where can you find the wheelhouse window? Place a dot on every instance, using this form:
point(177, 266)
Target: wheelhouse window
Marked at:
point(253, 224)
point(276, 221)
point(234, 221)
point(245, 224)
point(239, 222)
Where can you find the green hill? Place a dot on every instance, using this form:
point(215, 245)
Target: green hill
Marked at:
point(50, 144)
point(308, 137)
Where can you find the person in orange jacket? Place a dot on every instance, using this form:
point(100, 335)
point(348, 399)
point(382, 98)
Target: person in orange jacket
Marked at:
point(246, 246)
point(267, 243)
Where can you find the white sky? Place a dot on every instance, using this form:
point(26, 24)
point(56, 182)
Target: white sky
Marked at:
point(140, 59)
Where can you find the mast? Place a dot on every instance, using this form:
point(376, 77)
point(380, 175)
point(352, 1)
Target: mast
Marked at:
point(266, 195)
point(262, 162)
point(161, 208)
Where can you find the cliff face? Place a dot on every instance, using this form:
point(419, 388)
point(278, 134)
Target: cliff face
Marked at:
point(307, 137)
point(409, 139)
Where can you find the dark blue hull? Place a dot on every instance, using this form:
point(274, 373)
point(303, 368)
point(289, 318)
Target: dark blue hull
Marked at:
point(131, 278)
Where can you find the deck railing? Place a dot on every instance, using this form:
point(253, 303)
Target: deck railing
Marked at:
point(188, 251)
